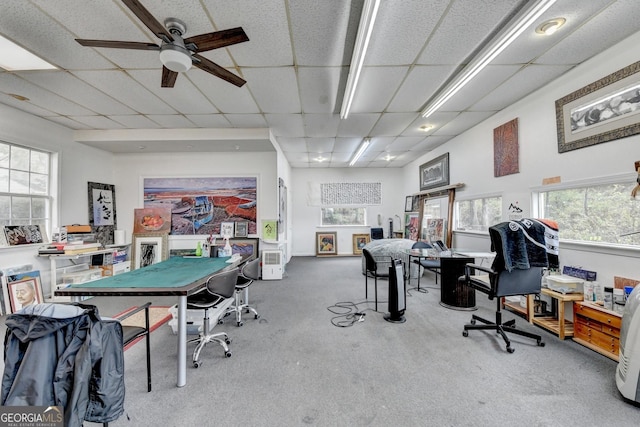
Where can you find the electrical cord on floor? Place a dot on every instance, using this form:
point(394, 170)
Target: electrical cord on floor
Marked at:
point(348, 313)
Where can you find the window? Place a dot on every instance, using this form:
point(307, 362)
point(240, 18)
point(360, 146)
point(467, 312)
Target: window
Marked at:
point(344, 216)
point(478, 214)
point(602, 212)
point(25, 197)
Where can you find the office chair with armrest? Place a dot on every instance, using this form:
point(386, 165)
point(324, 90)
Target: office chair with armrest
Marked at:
point(521, 258)
point(250, 272)
point(217, 297)
point(373, 270)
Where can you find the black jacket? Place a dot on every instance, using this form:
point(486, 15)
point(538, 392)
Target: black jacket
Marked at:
point(64, 355)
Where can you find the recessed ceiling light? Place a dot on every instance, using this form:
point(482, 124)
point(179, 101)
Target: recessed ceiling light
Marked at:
point(426, 128)
point(16, 58)
point(320, 159)
point(388, 157)
point(550, 26)
point(142, 147)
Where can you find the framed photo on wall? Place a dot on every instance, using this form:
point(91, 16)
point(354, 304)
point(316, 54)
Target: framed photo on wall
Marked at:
point(241, 228)
point(408, 204)
point(148, 249)
point(226, 229)
point(326, 243)
point(435, 173)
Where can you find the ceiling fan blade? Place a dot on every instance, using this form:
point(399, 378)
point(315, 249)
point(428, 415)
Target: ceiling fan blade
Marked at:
point(218, 39)
point(148, 19)
point(213, 68)
point(168, 77)
point(118, 44)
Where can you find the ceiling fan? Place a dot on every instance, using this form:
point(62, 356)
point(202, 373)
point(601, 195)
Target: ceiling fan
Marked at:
point(178, 54)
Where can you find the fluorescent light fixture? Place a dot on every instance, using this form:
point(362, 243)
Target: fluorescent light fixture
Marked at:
point(368, 17)
point(488, 54)
point(361, 150)
point(16, 58)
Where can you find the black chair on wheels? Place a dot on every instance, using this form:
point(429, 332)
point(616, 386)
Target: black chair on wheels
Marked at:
point(250, 272)
point(498, 282)
point(375, 271)
point(216, 297)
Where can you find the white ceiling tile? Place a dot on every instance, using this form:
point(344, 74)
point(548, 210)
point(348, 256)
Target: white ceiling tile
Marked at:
point(69, 123)
point(319, 89)
point(376, 87)
point(357, 124)
point(320, 145)
point(293, 145)
point(285, 124)
point(341, 157)
point(297, 157)
point(381, 143)
point(319, 32)
point(391, 124)
point(405, 143)
point(97, 122)
point(209, 120)
point(421, 84)
point(299, 165)
point(135, 121)
point(246, 120)
point(272, 90)
point(346, 145)
point(462, 122)
point(120, 85)
point(321, 125)
point(429, 143)
point(436, 121)
point(169, 121)
point(226, 97)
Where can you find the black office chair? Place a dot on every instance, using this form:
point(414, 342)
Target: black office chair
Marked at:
point(250, 272)
point(373, 269)
point(217, 296)
point(428, 264)
point(131, 334)
point(500, 282)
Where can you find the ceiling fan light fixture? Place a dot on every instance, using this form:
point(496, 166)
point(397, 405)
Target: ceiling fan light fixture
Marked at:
point(175, 58)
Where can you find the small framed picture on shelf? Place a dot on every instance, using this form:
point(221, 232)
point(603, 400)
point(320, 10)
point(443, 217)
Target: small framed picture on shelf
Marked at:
point(242, 228)
point(226, 229)
point(148, 249)
point(408, 204)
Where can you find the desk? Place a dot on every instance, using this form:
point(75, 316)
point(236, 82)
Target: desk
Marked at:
point(452, 294)
point(177, 276)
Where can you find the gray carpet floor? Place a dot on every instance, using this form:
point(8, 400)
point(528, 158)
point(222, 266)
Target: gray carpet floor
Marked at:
point(305, 362)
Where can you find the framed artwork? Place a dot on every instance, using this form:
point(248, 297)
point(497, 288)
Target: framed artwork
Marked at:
point(326, 243)
point(148, 249)
point(226, 229)
point(102, 211)
point(505, 149)
point(411, 226)
point(22, 234)
point(435, 173)
point(242, 246)
point(241, 228)
point(269, 229)
point(408, 204)
point(602, 111)
point(24, 289)
point(359, 241)
point(282, 206)
point(150, 220)
point(200, 204)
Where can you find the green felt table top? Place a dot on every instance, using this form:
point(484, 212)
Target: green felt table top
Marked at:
point(172, 273)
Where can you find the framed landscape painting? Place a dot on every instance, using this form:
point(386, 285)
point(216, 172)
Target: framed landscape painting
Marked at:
point(435, 173)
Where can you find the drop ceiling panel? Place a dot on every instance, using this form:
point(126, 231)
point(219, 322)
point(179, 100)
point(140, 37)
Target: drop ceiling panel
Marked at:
point(391, 124)
point(11, 83)
point(285, 124)
point(519, 85)
point(341, 157)
point(319, 89)
point(26, 106)
point(69, 123)
point(437, 120)
point(463, 29)
point(420, 84)
point(266, 26)
point(357, 124)
point(293, 145)
point(463, 122)
point(376, 88)
point(321, 125)
point(483, 83)
point(97, 122)
point(135, 121)
point(123, 87)
point(246, 120)
point(169, 121)
point(347, 145)
point(320, 145)
point(272, 89)
point(323, 36)
point(429, 143)
point(298, 157)
point(381, 143)
point(405, 143)
point(226, 97)
point(209, 120)
point(77, 91)
point(400, 33)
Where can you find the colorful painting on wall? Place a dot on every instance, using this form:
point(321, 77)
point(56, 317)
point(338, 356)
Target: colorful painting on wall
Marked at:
point(154, 219)
point(505, 149)
point(200, 205)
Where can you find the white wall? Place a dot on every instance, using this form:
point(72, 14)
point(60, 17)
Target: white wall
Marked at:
point(78, 164)
point(471, 158)
point(130, 169)
point(306, 204)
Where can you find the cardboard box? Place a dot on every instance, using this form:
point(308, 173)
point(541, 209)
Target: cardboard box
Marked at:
point(77, 228)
